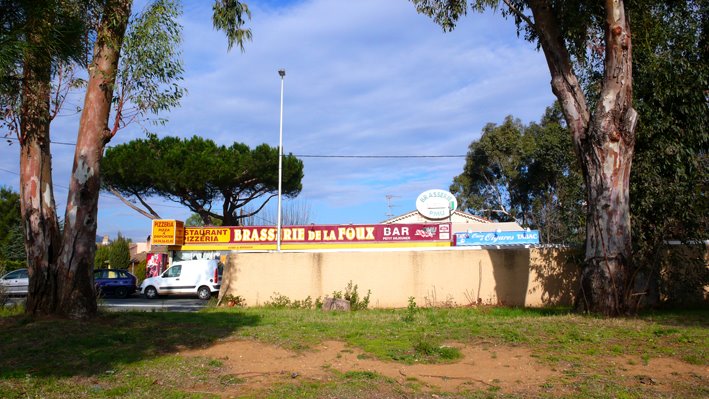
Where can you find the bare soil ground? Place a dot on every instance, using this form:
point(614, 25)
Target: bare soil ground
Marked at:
point(483, 366)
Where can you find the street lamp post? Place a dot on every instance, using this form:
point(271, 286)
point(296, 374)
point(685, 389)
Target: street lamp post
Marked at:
point(282, 73)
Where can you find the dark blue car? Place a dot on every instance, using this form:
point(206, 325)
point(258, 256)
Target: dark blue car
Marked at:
point(115, 282)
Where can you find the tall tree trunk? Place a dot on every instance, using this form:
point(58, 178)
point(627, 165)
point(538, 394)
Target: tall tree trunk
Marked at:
point(60, 267)
point(605, 145)
point(606, 156)
point(76, 294)
point(37, 204)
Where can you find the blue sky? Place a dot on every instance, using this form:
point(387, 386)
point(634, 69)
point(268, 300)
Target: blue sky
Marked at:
point(366, 77)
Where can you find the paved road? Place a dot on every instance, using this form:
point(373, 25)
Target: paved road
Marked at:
point(168, 304)
point(138, 303)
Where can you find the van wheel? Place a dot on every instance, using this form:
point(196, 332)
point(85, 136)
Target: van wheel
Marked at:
point(204, 293)
point(150, 292)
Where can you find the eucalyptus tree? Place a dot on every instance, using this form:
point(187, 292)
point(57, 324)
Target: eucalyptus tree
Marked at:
point(527, 174)
point(60, 263)
point(603, 129)
point(670, 179)
point(218, 183)
point(489, 184)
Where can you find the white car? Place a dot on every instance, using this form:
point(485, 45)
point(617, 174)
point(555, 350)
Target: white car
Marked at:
point(197, 277)
point(16, 282)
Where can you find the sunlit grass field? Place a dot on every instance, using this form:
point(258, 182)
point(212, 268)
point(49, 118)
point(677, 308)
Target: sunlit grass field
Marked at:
point(133, 354)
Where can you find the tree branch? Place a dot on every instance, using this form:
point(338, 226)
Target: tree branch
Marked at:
point(520, 14)
point(257, 210)
point(499, 195)
point(617, 91)
point(150, 214)
point(564, 82)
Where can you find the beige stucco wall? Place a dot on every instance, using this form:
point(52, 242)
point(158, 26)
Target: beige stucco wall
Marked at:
point(515, 277)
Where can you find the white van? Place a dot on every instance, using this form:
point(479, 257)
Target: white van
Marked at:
point(201, 277)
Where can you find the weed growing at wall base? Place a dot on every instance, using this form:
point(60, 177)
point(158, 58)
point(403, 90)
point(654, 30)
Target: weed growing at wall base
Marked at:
point(352, 296)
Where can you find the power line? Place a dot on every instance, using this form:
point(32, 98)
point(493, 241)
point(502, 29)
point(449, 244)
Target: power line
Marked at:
point(109, 193)
point(320, 155)
point(9, 171)
point(378, 156)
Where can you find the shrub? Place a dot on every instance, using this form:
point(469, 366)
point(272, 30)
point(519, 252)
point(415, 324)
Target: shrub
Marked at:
point(352, 296)
point(232, 300)
point(139, 271)
point(410, 310)
point(278, 301)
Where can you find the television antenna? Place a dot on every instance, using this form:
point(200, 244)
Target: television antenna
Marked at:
point(389, 213)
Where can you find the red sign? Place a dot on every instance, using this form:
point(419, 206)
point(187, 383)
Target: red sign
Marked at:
point(319, 234)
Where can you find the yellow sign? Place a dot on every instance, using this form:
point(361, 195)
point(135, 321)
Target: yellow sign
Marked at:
point(168, 232)
point(201, 235)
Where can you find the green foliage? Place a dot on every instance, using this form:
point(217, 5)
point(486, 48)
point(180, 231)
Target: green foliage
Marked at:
point(234, 300)
point(194, 220)
point(101, 258)
point(197, 173)
point(526, 174)
point(230, 17)
point(279, 301)
point(12, 243)
point(130, 356)
point(61, 41)
point(426, 348)
point(411, 311)
point(150, 64)
point(139, 271)
point(577, 21)
point(13, 249)
point(9, 212)
point(670, 179)
point(352, 296)
point(115, 255)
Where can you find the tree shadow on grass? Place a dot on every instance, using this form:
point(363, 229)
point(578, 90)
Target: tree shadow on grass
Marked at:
point(63, 348)
point(674, 317)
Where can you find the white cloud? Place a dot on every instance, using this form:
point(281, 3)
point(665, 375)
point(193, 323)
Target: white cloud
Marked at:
point(366, 77)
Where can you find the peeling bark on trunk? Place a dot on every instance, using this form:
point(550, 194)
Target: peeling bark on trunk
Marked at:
point(60, 267)
point(607, 152)
point(37, 204)
point(76, 295)
point(605, 145)
point(606, 276)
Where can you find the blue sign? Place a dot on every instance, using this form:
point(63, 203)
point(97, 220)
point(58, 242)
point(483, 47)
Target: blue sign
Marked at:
point(525, 237)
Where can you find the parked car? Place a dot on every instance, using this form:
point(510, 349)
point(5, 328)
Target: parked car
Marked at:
point(200, 277)
point(116, 282)
point(16, 282)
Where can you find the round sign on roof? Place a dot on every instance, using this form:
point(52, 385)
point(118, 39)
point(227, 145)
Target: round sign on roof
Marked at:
point(436, 204)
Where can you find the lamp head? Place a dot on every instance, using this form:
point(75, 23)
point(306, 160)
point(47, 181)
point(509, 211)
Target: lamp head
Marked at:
point(282, 72)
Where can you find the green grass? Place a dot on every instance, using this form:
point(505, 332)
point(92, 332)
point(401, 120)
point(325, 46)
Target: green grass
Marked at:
point(133, 355)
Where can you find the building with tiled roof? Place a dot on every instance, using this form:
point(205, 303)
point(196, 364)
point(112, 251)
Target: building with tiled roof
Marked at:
point(460, 222)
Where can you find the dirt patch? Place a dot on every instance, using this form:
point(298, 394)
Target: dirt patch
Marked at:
point(505, 368)
point(484, 366)
point(660, 374)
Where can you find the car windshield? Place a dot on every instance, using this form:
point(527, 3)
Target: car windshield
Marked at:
point(16, 274)
point(173, 271)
